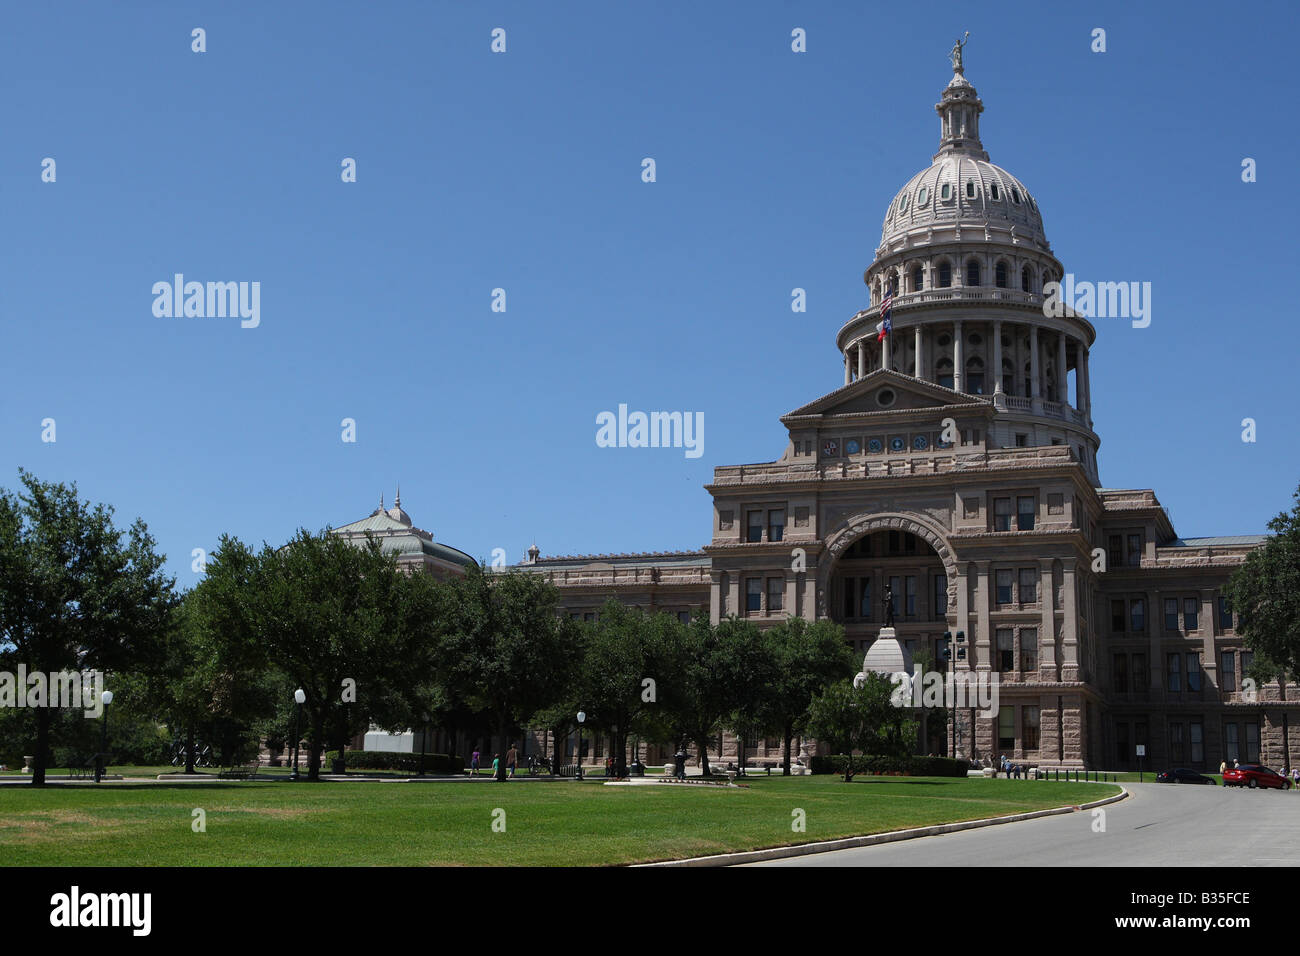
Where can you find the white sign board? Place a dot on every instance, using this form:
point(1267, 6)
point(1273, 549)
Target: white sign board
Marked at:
point(1142, 750)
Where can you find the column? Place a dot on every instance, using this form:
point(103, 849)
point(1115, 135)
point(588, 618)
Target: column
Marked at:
point(1062, 382)
point(1035, 388)
point(885, 344)
point(997, 356)
point(715, 596)
point(862, 359)
point(920, 365)
point(1069, 625)
point(981, 643)
point(1086, 382)
point(848, 368)
point(958, 363)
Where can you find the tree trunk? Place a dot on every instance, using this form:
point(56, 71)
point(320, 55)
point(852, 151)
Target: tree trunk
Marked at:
point(702, 745)
point(789, 736)
point(317, 743)
point(620, 760)
point(502, 729)
point(189, 750)
point(555, 749)
point(848, 767)
point(42, 746)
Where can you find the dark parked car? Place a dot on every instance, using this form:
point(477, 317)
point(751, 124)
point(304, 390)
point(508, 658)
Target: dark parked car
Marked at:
point(1184, 776)
point(1253, 775)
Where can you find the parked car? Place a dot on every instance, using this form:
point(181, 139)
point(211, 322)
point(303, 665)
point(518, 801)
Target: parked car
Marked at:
point(1184, 776)
point(1254, 775)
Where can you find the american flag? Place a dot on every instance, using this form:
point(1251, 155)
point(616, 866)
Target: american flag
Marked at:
point(884, 327)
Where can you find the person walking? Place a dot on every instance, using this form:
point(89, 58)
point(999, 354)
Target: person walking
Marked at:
point(496, 763)
point(512, 758)
point(473, 762)
point(1223, 765)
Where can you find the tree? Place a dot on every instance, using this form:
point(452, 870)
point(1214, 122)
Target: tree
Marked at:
point(698, 702)
point(503, 647)
point(76, 593)
point(861, 718)
point(808, 657)
point(1264, 592)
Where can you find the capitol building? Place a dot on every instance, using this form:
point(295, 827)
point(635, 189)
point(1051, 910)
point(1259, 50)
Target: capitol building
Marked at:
point(955, 463)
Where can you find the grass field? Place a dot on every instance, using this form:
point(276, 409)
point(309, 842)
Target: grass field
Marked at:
point(450, 823)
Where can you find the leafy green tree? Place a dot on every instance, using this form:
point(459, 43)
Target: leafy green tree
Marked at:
point(1265, 595)
point(862, 718)
point(504, 649)
point(808, 657)
point(76, 593)
point(697, 703)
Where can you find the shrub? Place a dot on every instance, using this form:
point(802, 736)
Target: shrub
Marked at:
point(407, 763)
point(905, 766)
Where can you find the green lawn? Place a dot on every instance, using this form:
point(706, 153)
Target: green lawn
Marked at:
point(448, 823)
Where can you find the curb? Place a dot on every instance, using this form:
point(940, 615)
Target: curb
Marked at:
point(848, 843)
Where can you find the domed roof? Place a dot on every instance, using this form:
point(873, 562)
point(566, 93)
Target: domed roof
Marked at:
point(977, 192)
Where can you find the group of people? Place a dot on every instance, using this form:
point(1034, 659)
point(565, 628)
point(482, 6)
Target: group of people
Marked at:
point(1012, 769)
point(512, 761)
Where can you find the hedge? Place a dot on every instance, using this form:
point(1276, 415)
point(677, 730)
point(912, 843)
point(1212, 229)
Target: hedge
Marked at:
point(904, 766)
point(384, 760)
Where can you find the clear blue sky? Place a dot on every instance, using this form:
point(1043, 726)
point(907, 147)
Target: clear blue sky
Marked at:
point(522, 171)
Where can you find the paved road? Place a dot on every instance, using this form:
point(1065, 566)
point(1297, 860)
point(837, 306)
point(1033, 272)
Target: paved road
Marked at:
point(1159, 825)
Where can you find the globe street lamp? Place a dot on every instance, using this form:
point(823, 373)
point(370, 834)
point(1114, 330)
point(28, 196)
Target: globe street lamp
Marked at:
point(582, 717)
point(106, 698)
point(299, 698)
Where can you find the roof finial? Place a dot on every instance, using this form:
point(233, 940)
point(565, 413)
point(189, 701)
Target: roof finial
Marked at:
point(955, 55)
point(381, 501)
point(398, 502)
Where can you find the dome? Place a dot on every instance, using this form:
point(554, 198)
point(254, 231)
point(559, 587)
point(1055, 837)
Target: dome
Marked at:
point(962, 188)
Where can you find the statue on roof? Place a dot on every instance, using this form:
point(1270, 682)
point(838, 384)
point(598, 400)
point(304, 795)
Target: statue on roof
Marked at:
point(955, 55)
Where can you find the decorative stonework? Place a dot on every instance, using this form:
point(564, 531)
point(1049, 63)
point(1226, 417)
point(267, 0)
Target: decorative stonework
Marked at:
point(854, 529)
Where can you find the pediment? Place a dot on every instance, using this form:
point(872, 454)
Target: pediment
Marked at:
point(863, 397)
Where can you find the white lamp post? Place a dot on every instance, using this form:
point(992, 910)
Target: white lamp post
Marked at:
point(582, 717)
point(299, 698)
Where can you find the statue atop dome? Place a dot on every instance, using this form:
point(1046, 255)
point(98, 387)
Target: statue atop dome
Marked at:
point(955, 55)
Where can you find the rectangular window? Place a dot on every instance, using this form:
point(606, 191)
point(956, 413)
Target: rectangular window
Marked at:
point(850, 597)
point(1231, 747)
point(895, 542)
point(865, 604)
point(776, 524)
point(896, 588)
point(910, 607)
point(753, 595)
point(1191, 619)
point(1029, 650)
point(1171, 614)
point(1137, 609)
point(1006, 649)
point(1122, 753)
point(1176, 750)
point(1247, 658)
point(1004, 586)
point(1001, 514)
point(1022, 440)
point(1025, 513)
point(1029, 717)
point(1175, 662)
point(940, 604)
point(1134, 550)
point(1006, 728)
point(1228, 671)
point(1225, 614)
point(1140, 680)
point(775, 593)
point(1194, 672)
point(1119, 674)
point(1196, 736)
point(1028, 585)
point(1252, 742)
point(755, 527)
point(1117, 616)
point(1115, 548)
point(684, 617)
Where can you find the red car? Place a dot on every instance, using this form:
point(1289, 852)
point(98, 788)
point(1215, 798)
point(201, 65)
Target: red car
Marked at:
point(1253, 775)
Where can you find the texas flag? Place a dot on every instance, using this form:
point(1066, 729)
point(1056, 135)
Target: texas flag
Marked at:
point(883, 327)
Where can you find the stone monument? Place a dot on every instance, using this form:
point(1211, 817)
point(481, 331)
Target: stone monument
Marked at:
point(885, 655)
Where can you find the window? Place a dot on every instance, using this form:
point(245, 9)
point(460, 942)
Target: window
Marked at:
point(1122, 753)
point(1252, 742)
point(910, 607)
point(1006, 649)
point(1001, 514)
point(1004, 586)
point(1137, 615)
point(1231, 746)
point(1025, 513)
point(974, 383)
point(684, 617)
point(945, 272)
point(943, 372)
point(1029, 649)
point(993, 191)
point(896, 593)
point(1115, 550)
point(1028, 585)
point(1140, 683)
point(1024, 279)
point(864, 606)
point(1196, 734)
point(776, 524)
point(1006, 728)
point(1134, 550)
point(1117, 616)
point(775, 591)
point(1247, 658)
point(1000, 275)
point(1119, 674)
point(1015, 195)
point(1228, 671)
point(1022, 440)
point(1191, 620)
point(1175, 684)
point(753, 594)
point(1194, 672)
point(755, 527)
point(1176, 747)
point(1225, 614)
point(1171, 614)
point(850, 602)
point(972, 272)
point(1029, 718)
point(589, 616)
point(940, 603)
point(923, 195)
point(918, 279)
point(970, 189)
point(945, 191)
point(575, 616)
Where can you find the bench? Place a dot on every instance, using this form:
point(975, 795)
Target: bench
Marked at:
point(241, 773)
point(82, 765)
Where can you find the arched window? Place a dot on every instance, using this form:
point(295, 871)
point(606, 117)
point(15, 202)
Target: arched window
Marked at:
point(943, 372)
point(974, 382)
point(945, 275)
point(1029, 379)
point(918, 279)
point(970, 189)
point(945, 192)
point(1024, 280)
point(993, 191)
point(972, 272)
point(1000, 275)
